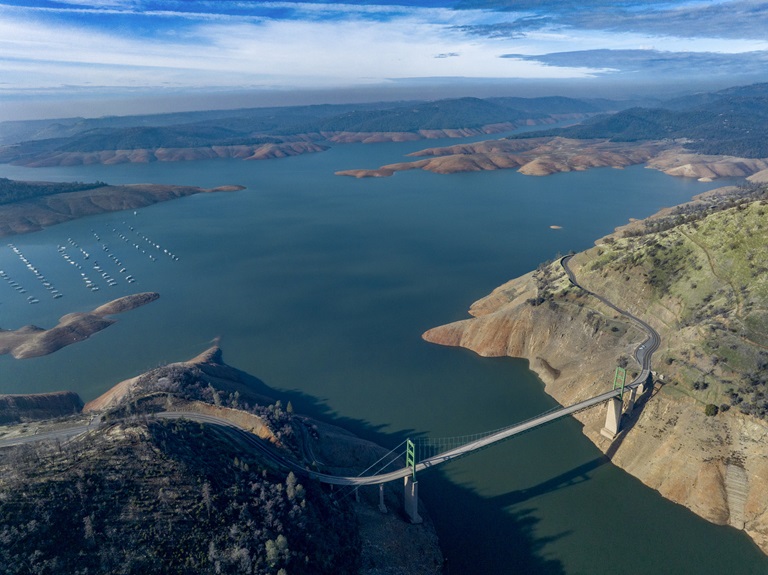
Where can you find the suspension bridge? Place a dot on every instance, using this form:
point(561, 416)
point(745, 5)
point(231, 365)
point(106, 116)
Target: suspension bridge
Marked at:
point(424, 453)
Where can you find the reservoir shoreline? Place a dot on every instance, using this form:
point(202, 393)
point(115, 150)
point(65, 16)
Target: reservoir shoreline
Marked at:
point(345, 274)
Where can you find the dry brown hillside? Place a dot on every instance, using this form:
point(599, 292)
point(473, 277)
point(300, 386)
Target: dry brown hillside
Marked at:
point(697, 274)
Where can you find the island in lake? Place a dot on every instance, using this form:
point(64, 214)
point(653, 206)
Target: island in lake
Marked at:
point(32, 341)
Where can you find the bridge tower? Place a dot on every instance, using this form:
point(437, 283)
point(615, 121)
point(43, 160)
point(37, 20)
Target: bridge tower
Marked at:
point(615, 404)
point(411, 486)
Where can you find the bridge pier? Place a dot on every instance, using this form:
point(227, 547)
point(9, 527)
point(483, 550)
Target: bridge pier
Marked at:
point(633, 393)
point(382, 507)
point(612, 418)
point(411, 499)
point(637, 392)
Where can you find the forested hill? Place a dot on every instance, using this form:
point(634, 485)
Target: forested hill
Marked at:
point(16, 191)
point(257, 125)
point(732, 122)
point(451, 114)
point(138, 495)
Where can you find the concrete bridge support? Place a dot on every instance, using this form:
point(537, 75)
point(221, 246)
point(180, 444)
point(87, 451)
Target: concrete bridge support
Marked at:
point(411, 497)
point(382, 506)
point(612, 418)
point(633, 393)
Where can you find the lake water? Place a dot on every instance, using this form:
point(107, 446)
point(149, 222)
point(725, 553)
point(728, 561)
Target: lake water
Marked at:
point(321, 286)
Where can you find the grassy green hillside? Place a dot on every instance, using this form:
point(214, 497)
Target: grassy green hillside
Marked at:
point(699, 272)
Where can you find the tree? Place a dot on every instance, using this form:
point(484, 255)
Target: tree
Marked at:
point(273, 554)
point(207, 499)
point(290, 486)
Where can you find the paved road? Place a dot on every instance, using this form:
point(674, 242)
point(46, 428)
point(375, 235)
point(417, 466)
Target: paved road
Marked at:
point(645, 350)
point(643, 354)
point(53, 435)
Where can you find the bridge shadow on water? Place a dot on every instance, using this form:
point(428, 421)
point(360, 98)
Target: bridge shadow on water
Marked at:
point(478, 535)
point(572, 477)
point(482, 535)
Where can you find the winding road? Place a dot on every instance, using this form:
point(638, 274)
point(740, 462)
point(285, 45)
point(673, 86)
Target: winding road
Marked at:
point(646, 349)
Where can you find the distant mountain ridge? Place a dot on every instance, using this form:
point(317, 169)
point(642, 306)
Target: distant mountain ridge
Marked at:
point(731, 122)
point(289, 119)
point(36, 142)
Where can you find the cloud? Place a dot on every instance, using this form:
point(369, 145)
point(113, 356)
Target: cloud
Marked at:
point(741, 19)
point(515, 29)
point(245, 43)
point(271, 51)
point(732, 19)
point(658, 64)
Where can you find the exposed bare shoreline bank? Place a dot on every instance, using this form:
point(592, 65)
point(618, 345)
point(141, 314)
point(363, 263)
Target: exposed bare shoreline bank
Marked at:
point(545, 156)
point(714, 466)
point(32, 341)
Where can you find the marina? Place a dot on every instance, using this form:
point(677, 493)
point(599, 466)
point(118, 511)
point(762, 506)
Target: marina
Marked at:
point(91, 273)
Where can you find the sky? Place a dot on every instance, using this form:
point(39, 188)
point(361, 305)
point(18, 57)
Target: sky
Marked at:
point(97, 57)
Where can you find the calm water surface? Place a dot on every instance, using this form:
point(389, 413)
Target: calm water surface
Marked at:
point(321, 286)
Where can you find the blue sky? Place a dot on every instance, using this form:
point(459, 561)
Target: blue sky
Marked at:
point(115, 48)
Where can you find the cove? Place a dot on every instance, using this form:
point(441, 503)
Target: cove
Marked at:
point(321, 287)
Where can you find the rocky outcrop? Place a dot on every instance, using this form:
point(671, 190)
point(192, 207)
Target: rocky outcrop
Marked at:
point(32, 341)
point(207, 367)
point(38, 406)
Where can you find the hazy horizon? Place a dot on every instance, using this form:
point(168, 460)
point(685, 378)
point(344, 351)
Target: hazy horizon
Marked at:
point(67, 58)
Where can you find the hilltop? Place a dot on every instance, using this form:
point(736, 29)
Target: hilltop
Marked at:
point(696, 274)
point(135, 494)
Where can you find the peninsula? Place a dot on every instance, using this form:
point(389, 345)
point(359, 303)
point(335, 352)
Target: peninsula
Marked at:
point(31, 206)
point(32, 341)
point(128, 486)
point(695, 274)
